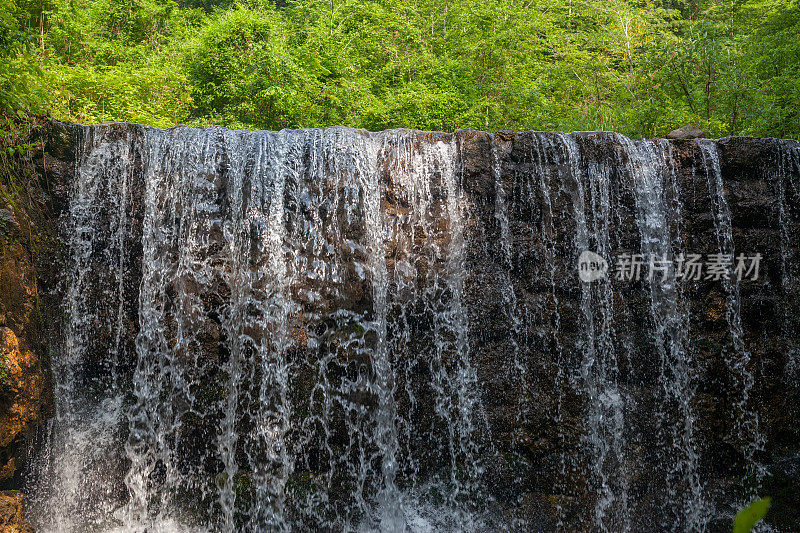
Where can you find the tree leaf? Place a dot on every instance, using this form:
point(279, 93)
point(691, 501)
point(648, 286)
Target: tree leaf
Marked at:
point(748, 517)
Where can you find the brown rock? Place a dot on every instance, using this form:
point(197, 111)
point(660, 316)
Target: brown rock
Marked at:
point(687, 132)
point(22, 384)
point(8, 470)
point(17, 286)
point(11, 507)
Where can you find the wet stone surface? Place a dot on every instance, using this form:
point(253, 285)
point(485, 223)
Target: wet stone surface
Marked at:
point(346, 330)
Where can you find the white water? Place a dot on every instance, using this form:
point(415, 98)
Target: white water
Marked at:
point(301, 355)
point(275, 231)
point(745, 419)
point(659, 213)
point(605, 434)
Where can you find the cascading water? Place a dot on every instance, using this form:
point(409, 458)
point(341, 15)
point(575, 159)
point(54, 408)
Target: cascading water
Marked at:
point(599, 369)
point(264, 319)
point(787, 168)
point(98, 231)
point(340, 330)
point(659, 210)
point(746, 424)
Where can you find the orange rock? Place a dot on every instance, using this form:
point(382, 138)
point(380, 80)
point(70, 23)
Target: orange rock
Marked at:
point(21, 390)
point(11, 505)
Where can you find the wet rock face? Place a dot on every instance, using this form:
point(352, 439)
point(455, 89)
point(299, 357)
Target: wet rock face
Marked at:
point(11, 513)
point(699, 377)
point(28, 259)
point(330, 327)
point(22, 391)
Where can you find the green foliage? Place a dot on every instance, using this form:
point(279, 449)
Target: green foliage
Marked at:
point(747, 518)
point(147, 94)
point(3, 369)
point(642, 67)
point(245, 72)
point(18, 74)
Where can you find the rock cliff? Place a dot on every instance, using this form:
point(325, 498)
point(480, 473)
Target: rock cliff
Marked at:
point(331, 327)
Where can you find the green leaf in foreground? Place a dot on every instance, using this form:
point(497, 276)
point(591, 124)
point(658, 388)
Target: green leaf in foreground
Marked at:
point(748, 517)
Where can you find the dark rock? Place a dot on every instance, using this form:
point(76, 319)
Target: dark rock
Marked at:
point(537, 418)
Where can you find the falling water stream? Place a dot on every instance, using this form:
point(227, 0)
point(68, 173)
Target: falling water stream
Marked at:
point(745, 419)
point(659, 211)
point(273, 331)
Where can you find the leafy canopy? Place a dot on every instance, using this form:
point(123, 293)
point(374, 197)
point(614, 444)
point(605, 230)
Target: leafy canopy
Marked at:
point(641, 67)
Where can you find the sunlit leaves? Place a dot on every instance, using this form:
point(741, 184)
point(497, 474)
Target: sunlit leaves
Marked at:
point(748, 517)
point(642, 67)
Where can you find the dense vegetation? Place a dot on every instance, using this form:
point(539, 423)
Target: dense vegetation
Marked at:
point(641, 67)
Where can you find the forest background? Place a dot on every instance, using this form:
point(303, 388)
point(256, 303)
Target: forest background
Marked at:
point(640, 67)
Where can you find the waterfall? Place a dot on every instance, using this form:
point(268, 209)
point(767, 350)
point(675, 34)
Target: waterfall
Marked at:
point(659, 206)
point(787, 169)
point(599, 368)
point(745, 419)
point(332, 329)
point(263, 349)
point(86, 413)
